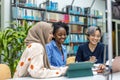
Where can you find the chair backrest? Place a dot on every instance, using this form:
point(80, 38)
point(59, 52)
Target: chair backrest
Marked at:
point(70, 60)
point(5, 72)
point(116, 64)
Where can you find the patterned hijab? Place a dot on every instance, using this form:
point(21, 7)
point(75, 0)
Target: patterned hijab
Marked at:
point(39, 33)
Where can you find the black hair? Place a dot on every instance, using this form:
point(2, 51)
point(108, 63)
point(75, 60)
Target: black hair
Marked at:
point(98, 28)
point(58, 25)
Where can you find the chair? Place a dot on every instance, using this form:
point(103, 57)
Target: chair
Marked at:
point(5, 72)
point(116, 64)
point(71, 60)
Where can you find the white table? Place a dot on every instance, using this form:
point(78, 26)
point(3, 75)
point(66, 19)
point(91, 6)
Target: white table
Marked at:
point(116, 76)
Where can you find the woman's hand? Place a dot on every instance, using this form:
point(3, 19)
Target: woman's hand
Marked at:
point(92, 59)
point(101, 68)
point(63, 69)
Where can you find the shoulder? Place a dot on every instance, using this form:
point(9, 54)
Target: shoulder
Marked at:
point(64, 47)
point(83, 45)
point(100, 44)
point(34, 47)
point(50, 43)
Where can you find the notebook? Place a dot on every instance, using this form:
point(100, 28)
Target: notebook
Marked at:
point(79, 69)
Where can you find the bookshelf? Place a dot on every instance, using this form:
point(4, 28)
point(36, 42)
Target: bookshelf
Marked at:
point(77, 18)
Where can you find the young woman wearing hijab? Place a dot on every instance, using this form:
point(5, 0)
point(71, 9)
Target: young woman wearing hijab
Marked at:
point(92, 50)
point(56, 51)
point(34, 61)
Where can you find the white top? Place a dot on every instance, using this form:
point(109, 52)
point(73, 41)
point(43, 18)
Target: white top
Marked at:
point(31, 64)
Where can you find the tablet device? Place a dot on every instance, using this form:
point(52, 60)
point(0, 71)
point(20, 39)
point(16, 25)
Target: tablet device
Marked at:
point(79, 69)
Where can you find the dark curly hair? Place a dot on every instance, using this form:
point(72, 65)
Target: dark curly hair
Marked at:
point(58, 25)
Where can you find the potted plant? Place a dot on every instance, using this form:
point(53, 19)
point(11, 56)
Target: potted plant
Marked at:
point(12, 45)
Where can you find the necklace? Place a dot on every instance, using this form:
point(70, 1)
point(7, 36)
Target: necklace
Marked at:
point(92, 48)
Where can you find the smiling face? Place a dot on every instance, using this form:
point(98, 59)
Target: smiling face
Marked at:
point(50, 35)
point(95, 37)
point(60, 35)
